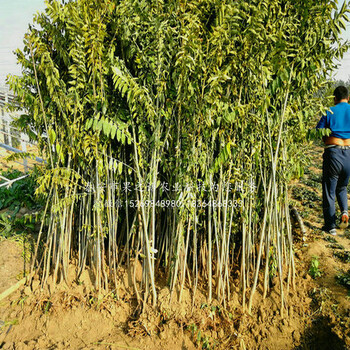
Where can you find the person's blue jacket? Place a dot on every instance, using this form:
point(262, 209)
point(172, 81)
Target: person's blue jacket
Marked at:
point(338, 120)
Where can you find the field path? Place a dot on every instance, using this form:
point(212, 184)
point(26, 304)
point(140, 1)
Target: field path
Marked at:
point(331, 252)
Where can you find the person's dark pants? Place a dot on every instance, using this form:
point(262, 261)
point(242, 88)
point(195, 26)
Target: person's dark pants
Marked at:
point(336, 174)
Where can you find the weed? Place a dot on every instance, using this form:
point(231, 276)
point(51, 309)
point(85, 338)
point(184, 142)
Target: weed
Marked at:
point(79, 283)
point(314, 270)
point(11, 323)
point(47, 307)
point(312, 183)
point(213, 311)
point(20, 193)
point(334, 308)
point(16, 230)
point(330, 239)
point(205, 343)
point(319, 297)
point(343, 255)
point(315, 177)
point(21, 301)
point(308, 198)
point(344, 279)
point(5, 225)
point(193, 328)
point(335, 246)
point(200, 338)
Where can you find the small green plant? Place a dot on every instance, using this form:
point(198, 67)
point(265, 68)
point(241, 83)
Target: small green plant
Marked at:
point(316, 177)
point(311, 183)
point(20, 193)
point(314, 270)
point(200, 338)
point(47, 306)
point(330, 239)
point(21, 301)
point(17, 202)
point(347, 234)
point(205, 343)
point(319, 297)
point(5, 225)
point(193, 328)
point(11, 226)
point(344, 279)
point(343, 255)
point(307, 197)
point(8, 323)
point(335, 246)
point(20, 230)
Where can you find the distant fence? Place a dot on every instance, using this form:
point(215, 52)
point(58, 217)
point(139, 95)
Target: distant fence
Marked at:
point(12, 140)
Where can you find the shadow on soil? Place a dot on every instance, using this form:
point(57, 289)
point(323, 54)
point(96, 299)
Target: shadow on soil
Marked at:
point(319, 336)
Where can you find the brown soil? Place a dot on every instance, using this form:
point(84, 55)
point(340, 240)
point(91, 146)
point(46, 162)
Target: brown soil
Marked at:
point(67, 318)
point(17, 164)
point(11, 263)
point(315, 314)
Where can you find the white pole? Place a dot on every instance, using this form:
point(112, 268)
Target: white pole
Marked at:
point(24, 149)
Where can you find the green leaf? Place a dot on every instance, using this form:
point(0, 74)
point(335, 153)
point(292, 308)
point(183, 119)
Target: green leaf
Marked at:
point(52, 136)
point(120, 168)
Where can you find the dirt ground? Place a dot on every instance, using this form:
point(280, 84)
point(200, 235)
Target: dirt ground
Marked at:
point(17, 164)
point(315, 316)
point(11, 263)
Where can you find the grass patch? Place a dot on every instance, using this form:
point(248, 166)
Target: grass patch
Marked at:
point(306, 197)
point(344, 279)
point(312, 183)
point(20, 210)
point(343, 255)
point(330, 239)
point(20, 193)
point(335, 246)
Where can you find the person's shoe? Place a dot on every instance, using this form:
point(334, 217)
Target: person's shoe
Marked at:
point(332, 232)
point(344, 220)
